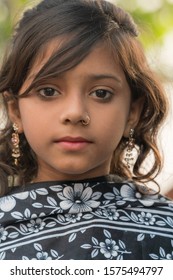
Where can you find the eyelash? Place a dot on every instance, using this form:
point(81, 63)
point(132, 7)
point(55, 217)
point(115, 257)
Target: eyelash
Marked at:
point(105, 95)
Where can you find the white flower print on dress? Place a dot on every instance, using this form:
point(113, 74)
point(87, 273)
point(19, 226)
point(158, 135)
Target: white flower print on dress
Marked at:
point(42, 256)
point(130, 192)
point(146, 218)
point(3, 234)
point(111, 213)
point(7, 203)
point(79, 199)
point(73, 218)
point(109, 248)
point(62, 222)
point(36, 225)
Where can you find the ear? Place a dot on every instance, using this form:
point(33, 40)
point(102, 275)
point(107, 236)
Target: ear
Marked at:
point(134, 116)
point(13, 110)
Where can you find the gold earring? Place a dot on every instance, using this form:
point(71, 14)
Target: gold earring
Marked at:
point(15, 141)
point(130, 145)
point(86, 121)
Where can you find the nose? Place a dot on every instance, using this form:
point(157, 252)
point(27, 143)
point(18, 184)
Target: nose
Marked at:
point(74, 110)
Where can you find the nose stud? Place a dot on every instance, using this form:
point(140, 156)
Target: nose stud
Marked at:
point(86, 121)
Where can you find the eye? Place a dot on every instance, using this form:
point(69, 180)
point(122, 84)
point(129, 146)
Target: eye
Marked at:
point(48, 92)
point(102, 94)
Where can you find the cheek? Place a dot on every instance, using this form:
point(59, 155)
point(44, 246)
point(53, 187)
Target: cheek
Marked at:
point(113, 136)
point(112, 122)
point(32, 133)
point(32, 116)
point(110, 132)
point(32, 123)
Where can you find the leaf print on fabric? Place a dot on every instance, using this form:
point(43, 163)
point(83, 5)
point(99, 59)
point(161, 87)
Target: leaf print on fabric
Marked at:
point(113, 195)
point(51, 201)
point(23, 228)
point(27, 213)
point(38, 247)
point(7, 203)
point(78, 199)
point(162, 254)
point(61, 219)
point(95, 241)
point(54, 254)
point(130, 192)
point(72, 237)
point(161, 223)
point(51, 224)
point(134, 217)
point(170, 221)
point(37, 205)
point(13, 235)
point(2, 215)
point(88, 216)
point(94, 253)
point(42, 191)
point(17, 215)
point(107, 233)
point(2, 255)
point(57, 188)
point(140, 237)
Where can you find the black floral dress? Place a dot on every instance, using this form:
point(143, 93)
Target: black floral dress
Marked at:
point(87, 220)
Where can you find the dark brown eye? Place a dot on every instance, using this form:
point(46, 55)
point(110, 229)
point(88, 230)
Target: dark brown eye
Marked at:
point(48, 92)
point(102, 94)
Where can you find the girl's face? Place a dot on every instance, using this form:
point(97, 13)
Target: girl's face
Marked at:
point(51, 115)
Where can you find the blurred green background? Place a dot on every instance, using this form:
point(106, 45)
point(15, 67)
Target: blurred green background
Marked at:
point(154, 18)
point(155, 22)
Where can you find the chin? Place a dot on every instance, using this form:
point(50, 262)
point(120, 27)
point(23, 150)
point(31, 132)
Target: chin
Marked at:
point(76, 174)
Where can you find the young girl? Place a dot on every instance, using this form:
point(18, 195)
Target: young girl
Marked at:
point(80, 98)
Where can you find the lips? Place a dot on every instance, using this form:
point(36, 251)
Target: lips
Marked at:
point(73, 143)
point(72, 139)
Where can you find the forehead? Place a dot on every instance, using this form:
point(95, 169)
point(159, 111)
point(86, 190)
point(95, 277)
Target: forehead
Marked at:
point(100, 63)
point(100, 58)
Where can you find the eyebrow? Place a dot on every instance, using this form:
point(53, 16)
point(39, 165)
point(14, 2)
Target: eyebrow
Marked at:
point(93, 77)
point(104, 76)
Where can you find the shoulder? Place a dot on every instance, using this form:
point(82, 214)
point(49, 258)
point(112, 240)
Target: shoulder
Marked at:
point(139, 195)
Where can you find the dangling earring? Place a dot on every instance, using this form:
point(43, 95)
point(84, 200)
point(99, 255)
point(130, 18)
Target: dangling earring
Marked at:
point(130, 145)
point(15, 141)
